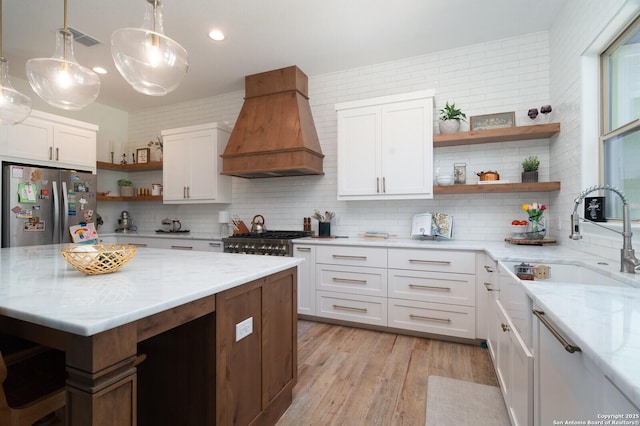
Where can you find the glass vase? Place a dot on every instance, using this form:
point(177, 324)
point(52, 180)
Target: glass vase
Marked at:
point(536, 228)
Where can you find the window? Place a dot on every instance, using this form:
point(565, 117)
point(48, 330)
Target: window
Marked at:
point(620, 67)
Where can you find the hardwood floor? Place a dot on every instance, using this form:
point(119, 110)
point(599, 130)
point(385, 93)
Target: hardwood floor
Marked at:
point(350, 376)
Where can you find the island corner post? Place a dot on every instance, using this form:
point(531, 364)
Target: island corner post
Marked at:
point(103, 379)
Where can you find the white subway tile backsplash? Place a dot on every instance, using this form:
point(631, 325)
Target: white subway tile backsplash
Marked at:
point(498, 76)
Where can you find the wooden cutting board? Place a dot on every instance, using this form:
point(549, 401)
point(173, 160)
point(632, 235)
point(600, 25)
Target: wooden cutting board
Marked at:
point(529, 242)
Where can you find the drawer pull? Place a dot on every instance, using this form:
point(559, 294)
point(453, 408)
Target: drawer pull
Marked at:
point(429, 287)
point(182, 247)
point(347, 280)
point(567, 346)
point(344, 256)
point(349, 308)
point(488, 268)
point(420, 317)
point(139, 244)
point(436, 262)
point(215, 244)
point(305, 249)
point(489, 286)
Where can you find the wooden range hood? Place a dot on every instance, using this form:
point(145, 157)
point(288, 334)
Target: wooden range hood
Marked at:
point(274, 134)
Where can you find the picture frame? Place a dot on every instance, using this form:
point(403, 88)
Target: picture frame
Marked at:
point(594, 209)
point(500, 120)
point(143, 155)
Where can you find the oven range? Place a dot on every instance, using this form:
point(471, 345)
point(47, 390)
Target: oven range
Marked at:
point(270, 243)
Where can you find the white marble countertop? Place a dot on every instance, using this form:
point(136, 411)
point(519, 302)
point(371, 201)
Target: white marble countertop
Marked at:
point(37, 285)
point(177, 235)
point(603, 320)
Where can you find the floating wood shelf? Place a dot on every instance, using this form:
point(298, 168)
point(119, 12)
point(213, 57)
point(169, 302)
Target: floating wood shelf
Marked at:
point(498, 188)
point(138, 198)
point(156, 165)
point(518, 133)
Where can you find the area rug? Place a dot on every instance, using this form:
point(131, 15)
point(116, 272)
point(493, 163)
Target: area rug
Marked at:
point(457, 402)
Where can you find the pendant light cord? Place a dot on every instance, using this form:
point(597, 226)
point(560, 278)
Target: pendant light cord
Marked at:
point(65, 15)
point(1, 29)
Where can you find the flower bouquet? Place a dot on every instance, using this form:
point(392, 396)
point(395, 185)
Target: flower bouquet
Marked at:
point(536, 229)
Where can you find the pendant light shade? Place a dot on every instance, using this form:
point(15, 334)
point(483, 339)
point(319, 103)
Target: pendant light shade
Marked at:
point(60, 80)
point(14, 106)
point(152, 63)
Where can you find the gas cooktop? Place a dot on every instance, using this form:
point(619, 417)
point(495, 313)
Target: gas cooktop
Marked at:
point(274, 235)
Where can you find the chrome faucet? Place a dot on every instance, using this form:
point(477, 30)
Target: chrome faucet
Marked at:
point(628, 261)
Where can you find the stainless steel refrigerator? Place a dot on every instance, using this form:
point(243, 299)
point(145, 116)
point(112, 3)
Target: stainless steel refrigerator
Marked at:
point(40, 204)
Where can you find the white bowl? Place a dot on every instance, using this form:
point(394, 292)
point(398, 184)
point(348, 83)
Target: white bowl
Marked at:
point(444, 180)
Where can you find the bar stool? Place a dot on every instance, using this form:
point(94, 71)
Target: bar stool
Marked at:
point(32, 383)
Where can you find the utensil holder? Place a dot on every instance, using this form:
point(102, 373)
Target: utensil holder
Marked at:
point(324, 229)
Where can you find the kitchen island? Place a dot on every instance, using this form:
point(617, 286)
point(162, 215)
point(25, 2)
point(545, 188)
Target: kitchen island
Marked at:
point(218, 330)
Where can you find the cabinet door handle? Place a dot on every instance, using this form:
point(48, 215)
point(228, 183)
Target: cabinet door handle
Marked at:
point(429, 287)
point(347, 280)
point(567, 346)
point(188, 192)
point(378, 185)
point(436, 262)
point(305, 249)
point(50, 153)
point(349, 308)
point(489, 286)
point(182, 247)
point(384, 185)
point(57, 154)
point(488, 268)
point(421, 317)
point(345, 256)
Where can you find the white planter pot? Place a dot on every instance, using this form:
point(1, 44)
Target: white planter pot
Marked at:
point(449, 126)
point(127, 191)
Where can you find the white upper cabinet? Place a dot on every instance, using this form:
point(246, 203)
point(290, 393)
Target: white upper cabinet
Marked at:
point(51, 140)
point(385, 147)
point(192, 165)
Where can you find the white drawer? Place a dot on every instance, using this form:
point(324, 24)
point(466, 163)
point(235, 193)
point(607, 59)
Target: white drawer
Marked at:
point(375, 257)
point(347, 307)
point(438, 287)
point(351, 279)
point(448, 320)
point(433, 260)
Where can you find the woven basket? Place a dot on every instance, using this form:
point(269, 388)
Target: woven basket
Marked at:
point(99, 258)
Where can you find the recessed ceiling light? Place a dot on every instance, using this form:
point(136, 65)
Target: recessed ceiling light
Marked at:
point(216, 35)
point(99, 70)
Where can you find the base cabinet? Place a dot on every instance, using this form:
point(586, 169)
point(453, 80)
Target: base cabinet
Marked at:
point(569, 385)
point(514, 368)
point(306, 279)
point(418, 290)
point(256, 347)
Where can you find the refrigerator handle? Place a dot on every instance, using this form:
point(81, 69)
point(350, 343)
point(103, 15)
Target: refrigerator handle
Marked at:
point(65, 211)
point(56, 213)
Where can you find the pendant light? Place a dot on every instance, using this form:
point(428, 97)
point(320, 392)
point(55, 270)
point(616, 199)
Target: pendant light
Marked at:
point(14, 106)
point(151, 62)
point(60, 80)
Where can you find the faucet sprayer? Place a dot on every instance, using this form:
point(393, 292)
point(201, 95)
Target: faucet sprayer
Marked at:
point(628, 261)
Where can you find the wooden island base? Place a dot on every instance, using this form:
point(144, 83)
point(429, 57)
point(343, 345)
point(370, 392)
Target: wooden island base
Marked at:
point(195, 372)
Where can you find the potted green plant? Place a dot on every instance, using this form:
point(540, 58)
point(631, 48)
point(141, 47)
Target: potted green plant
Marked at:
point(530, 169)
point(450, 118)
point(126, 188)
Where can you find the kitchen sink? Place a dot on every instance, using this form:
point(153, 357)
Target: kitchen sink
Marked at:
point(569, 273)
